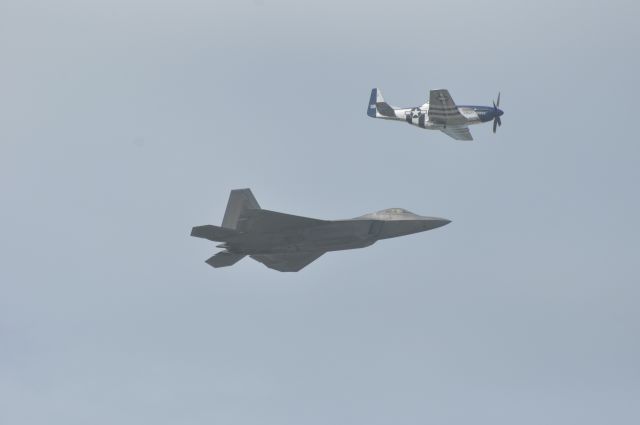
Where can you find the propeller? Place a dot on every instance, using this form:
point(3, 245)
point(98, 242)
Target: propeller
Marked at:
point(496, 113)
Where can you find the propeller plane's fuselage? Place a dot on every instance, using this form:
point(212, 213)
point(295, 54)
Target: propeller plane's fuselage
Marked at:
point(419, 115)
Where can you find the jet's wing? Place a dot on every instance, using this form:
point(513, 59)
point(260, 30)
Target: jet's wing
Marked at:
point(271, 221)
point(458, 133)
point(443, 110)
point(290, 262)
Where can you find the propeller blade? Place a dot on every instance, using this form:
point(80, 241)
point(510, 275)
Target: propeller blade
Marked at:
point(495, 123)
point(499, 121)
point(498, 102)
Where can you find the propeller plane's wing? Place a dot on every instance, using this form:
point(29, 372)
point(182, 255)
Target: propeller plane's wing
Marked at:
point(458, 133)
point(443, 110)
point(290, 262)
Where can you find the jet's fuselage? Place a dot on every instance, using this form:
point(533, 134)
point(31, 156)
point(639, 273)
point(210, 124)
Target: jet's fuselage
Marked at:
point(333, 235)
point(329, 236)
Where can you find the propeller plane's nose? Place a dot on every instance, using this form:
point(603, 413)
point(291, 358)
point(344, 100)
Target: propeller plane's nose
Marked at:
point(500, 112)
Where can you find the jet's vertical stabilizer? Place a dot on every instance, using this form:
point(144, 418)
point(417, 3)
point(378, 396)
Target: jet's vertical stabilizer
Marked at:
point(239, 201)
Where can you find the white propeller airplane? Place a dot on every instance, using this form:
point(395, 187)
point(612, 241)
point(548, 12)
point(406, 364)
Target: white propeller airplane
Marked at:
point(439, 113)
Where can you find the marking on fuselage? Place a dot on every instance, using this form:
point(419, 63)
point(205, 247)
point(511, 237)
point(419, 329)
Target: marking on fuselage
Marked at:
point(421, 120)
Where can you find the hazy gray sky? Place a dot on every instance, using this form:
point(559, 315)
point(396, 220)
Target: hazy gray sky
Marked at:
point(125, 123)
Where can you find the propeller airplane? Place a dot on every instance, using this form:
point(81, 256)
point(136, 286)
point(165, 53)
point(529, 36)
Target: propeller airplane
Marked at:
point(439, 113)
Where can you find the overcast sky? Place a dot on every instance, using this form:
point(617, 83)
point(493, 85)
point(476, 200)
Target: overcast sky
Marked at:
point(125, 123)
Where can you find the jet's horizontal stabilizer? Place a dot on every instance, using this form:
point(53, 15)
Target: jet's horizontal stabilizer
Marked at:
point(213, 233)
point(224, 259)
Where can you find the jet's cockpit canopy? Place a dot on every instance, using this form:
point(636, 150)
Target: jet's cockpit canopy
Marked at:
point(396, 211)
point(389, 214)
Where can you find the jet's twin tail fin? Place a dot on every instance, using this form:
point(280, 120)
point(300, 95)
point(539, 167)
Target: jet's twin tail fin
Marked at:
point(378, 108)
point(240, 200)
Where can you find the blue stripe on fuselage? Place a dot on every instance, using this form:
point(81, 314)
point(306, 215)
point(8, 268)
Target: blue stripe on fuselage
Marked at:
point(485, 113)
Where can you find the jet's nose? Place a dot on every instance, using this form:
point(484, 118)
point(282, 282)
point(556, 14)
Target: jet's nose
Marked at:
point(434, 223)
point(441, 222)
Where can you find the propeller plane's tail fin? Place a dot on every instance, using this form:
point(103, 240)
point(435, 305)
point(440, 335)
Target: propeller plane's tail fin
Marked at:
point(378, 108)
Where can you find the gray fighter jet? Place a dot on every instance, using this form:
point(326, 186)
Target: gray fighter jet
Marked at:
point(288, 243)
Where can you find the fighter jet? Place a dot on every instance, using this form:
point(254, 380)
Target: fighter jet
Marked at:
point(288, 243)
point(439, 113)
